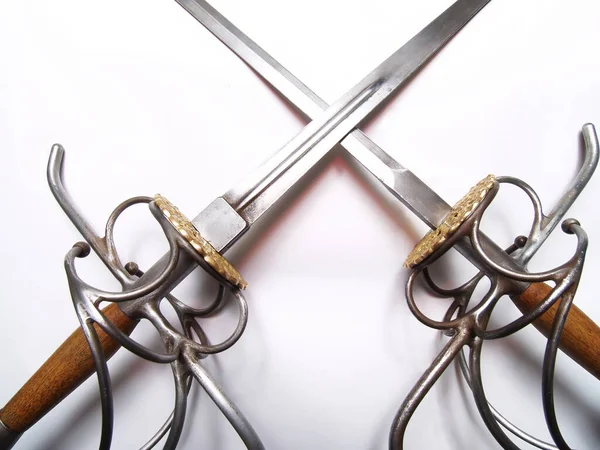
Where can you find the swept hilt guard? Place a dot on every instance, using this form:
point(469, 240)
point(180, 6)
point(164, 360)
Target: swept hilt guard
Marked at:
point(140, 299)
point(468, 328)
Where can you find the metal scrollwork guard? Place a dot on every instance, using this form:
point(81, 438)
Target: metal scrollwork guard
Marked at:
point(466, 320)
point(140, 299)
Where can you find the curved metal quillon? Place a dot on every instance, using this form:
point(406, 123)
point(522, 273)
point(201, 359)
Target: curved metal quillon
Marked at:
point(468, 324)
point(140, 299)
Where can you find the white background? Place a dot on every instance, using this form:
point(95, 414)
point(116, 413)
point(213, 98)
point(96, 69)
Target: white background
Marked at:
point(145, 100)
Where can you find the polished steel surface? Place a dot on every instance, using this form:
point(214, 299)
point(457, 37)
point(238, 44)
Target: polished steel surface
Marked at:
point(550, 221)
point(220, 221)
point(425, 203)
point(399, 180)
point(428, 206)
point(223, 222)
point(270, 181)
point(467, 320)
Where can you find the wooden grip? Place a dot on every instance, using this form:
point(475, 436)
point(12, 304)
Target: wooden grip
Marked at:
point(63, 372)
point(580, 338)
point(72, 363)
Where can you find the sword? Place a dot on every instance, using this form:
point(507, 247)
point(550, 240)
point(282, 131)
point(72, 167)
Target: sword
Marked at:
point(223, 222)
point(580, 334)
point(580, 337)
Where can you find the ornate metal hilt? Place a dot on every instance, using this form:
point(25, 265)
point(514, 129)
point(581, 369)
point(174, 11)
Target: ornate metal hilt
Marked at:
point(140, 299)
point(467, 319)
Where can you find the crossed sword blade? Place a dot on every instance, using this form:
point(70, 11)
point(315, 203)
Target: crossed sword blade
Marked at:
point(228, 217)
point(425, 203)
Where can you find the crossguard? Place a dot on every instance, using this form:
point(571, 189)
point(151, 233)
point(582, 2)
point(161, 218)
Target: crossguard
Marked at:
point(140, 299)
point(468, 324)
point(203, 248)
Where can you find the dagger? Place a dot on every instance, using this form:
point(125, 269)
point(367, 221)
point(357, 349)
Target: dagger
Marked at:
point(581, 336)
point(226, 219)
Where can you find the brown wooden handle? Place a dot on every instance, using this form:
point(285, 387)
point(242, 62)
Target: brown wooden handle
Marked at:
point(63, 372)
point(581, 336)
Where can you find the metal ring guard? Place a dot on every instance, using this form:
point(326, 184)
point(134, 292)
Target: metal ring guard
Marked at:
point(465, 323)
point(466, 320)
point(141, 297)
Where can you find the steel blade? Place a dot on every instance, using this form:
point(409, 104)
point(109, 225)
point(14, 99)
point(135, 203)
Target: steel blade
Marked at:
point(227, 218)
point(425, 203)
point(244, 204)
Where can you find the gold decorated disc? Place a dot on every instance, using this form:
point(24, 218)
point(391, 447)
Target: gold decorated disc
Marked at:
point(455, 218)
point(212, 257)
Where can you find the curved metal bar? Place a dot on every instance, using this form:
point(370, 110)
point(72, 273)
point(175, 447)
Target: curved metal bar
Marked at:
point(186, 313)
point(458, 307)
point(145, 288)
point(473, 323)
point(554, 340)
point(104, 384)
point(548, 371)
point(538, 213)
point(526, 318)
point(54, 176)
point(412, 305)
point(125, 341)
point(181, 392)
point(470, 284)
point(102, 246)
point(519, 276)
point(162, 431)
point(79, 295)
point(481, 400)
point(109, 228)
point(191, 327)
point(229, 410)
point(198, 312)
point(572, 273)
point(503, 421)
point(468, 318)
point(235, 336)
point(422, 387)
point(590, 162)
point(159, 434)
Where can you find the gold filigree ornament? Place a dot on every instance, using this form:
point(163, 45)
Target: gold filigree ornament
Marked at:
point(454, 219)
point(186, 229)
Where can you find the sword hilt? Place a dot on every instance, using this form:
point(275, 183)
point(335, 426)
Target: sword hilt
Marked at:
point(69, 366)
point(580, 337)
point(467, 320)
